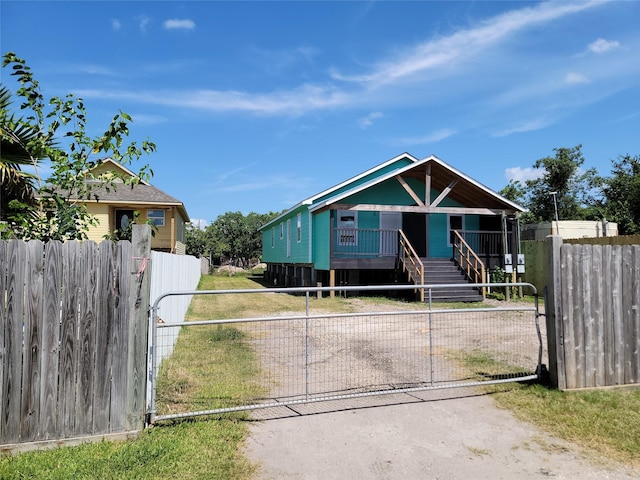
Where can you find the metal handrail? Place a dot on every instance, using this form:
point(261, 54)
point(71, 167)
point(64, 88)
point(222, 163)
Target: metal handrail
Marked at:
point(407, 253)
point(469, 261)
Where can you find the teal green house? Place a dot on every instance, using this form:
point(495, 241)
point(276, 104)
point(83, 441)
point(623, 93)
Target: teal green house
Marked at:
point(393, 223)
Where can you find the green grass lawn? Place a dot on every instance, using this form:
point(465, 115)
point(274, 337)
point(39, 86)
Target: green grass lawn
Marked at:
point(608, 422)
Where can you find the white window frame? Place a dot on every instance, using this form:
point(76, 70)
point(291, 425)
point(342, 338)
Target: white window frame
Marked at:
point(299, 228)
point(156, 220)
point(347, 240)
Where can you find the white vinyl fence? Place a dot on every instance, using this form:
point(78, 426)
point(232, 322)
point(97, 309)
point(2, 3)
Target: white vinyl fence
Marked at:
point(170, 273)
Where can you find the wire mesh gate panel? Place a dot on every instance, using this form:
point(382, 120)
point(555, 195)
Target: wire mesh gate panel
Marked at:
point(217, 366)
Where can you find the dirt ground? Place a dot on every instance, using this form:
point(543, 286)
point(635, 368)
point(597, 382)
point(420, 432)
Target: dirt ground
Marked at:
point(447, 434)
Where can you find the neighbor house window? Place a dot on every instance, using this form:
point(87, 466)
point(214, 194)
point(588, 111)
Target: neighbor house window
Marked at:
point(281, 231)
point(156, 217)
point(299, 228)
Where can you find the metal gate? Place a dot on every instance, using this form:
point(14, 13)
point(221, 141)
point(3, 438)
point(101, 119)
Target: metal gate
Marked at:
point(311, 355)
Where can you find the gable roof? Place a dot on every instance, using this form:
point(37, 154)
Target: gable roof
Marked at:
point(468, 192)
point(141, 194)
point(343, 186)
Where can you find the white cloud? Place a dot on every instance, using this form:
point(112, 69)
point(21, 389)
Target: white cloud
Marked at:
point(179, 24)
point(602, 46)
point(115, 24)
point(522, 127)
point(367, 121)
point(143, 23)
point(575, 78)
point(432, 137)
point(464, 44)
point(522, 174)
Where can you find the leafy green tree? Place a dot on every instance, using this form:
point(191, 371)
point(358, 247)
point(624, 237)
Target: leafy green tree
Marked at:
point(195, 240)
point(235, 237)
point(622, 194)
point(55, 131)
point(562, 174)
point(576, 190)
point(17, 186)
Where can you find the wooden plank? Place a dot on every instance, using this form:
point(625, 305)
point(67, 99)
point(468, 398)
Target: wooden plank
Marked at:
point(588, 333)
point(577, 313)
point(86, 338)
point(12, 381)
point(628, 328)
point(417, 209)
point(617, 319)
point(52, 287)
point(32, 327)
point(68, 343)
point(553, 312)
point(606, 286)
point(119, 340)
point(410, 191)
point(3, 307)
point(597, 311)
point(138, 334)
point(105, 314)
point(634, 294)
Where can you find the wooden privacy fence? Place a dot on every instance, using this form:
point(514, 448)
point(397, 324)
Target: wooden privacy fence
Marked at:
point(593, 314)
point(74, 339)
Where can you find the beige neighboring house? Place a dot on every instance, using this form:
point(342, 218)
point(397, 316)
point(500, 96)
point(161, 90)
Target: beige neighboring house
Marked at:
point(569, 229)
point(116, 207)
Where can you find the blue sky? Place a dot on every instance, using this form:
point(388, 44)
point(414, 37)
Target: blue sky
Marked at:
point(257, 105)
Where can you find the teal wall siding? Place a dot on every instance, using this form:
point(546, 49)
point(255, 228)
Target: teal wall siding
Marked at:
point(439, 232)
point(403, 162)
point(321, 234)
point(388, 193)
point(298, 250)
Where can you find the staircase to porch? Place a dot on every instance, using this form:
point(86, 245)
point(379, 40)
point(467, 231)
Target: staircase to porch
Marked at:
point(444, 272)
point(432, 271)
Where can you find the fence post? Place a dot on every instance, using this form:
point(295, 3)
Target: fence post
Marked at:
point(553, 313)
point(138, 325)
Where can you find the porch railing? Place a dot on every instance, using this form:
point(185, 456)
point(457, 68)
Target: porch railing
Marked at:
point(364, 242)
point(468, 261)
point(411, 263)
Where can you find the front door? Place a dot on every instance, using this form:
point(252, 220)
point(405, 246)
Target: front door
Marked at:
point(414, 226)
point(390, 223)
point(124, 218)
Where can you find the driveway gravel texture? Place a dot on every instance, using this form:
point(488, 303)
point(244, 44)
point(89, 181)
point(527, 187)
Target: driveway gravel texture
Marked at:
point(448, 434)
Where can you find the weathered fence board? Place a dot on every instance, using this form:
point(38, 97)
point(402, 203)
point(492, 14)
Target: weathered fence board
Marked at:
point(50, 341)
point(67, 331)
point(594, 314)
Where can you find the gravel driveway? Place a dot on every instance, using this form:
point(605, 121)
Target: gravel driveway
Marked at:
point(436, 434)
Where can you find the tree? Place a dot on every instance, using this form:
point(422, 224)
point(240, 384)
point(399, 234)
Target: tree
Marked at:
point(54, 131)
point(234, 237)
point(17, 186)
point(195, 240)
point(576, 190)
point(622, 194)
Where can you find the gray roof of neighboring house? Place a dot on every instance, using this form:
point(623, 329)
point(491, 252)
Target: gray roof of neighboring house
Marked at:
point(139, 194)
point(133, 193)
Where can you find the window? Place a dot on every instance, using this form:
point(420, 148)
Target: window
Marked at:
point(273, 237)
point(299, 228)
point(281, 230)
point(156, 217)
point(347, 228)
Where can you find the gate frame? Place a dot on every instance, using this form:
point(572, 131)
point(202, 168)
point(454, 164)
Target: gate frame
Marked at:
point(151, 413)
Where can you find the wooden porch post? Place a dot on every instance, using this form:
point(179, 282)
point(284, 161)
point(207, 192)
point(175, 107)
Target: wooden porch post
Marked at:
point(332, 282)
